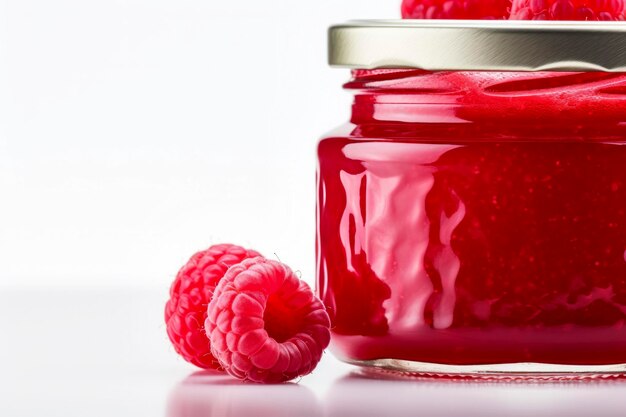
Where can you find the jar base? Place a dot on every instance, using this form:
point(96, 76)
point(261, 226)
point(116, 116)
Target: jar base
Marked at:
point(395, 368)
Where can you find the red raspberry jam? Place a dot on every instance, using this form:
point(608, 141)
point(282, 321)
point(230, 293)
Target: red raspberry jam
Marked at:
point(476, 218)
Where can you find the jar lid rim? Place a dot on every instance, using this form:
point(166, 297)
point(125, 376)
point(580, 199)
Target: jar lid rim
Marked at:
point(479, 45)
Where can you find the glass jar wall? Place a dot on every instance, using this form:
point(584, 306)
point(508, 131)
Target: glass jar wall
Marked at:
point(473, 222)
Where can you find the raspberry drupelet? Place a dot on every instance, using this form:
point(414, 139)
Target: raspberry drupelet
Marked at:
point(190, 294)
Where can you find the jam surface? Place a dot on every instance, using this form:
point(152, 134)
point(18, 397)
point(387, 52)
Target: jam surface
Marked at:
point(468, 218)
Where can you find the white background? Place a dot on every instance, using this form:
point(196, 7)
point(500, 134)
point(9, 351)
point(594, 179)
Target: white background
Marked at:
point(135, 132)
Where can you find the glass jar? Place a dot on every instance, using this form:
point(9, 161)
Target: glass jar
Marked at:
point(471, 217)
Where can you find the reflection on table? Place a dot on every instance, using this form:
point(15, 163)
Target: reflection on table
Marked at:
point(212, 394)
point(205, 394)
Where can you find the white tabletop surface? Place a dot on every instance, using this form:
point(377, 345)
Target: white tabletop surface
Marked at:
point(77, 352)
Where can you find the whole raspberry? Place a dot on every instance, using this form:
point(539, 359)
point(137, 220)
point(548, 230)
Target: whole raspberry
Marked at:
point(266, 325)
point(190, 294)
point(567, 10)
point(455, 9)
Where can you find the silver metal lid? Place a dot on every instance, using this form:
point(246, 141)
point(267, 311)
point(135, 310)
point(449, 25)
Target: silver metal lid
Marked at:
point(476, 45)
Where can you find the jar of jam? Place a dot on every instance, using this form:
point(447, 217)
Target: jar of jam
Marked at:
point(471, 216)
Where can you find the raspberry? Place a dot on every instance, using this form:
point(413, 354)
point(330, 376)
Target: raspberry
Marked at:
point(455, 9)
point(567, 10)
point(266, 325)
point(190, 294)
